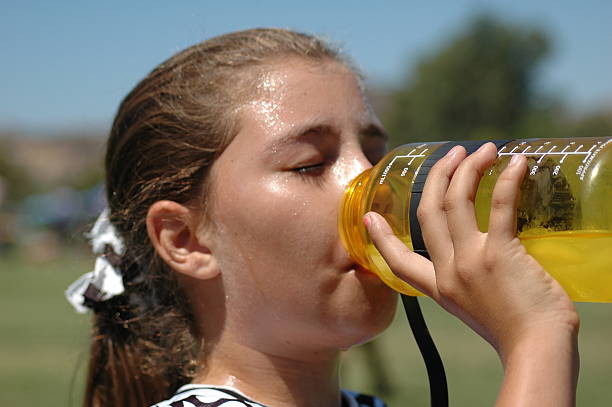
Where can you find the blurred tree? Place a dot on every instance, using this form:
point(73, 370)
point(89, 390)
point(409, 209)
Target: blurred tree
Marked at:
point(15, 182)
point(89, 177)
point(480, 85)
point(592, 125)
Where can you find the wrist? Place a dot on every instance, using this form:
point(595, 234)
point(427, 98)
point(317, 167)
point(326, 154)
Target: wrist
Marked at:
point(540, 345)
point(541, 370)
point(552, 333)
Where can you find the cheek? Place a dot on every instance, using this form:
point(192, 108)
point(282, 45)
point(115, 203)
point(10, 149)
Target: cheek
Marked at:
point(270, 224)
point(274, 249)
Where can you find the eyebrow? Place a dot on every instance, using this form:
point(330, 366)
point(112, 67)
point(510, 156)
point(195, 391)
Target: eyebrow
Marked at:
point(373, 130)
point(298, 134)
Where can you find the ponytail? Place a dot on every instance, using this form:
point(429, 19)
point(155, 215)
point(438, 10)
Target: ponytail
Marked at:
point(127, 370)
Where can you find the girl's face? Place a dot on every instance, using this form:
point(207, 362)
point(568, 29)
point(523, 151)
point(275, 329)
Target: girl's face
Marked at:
point(288, 282)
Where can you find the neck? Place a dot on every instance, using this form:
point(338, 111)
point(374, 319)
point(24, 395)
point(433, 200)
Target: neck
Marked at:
point(273, 379)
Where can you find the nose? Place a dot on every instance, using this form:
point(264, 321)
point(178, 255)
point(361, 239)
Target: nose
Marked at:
point(349, 166)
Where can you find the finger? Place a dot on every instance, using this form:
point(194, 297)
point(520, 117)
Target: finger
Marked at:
point(416, 270)
point(459, 199)
point(432, 217)
point(502, 221)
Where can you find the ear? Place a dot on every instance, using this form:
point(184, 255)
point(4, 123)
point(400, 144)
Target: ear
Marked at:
point(173, 230)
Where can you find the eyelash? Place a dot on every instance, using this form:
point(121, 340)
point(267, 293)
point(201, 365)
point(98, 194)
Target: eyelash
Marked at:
point(310, 170)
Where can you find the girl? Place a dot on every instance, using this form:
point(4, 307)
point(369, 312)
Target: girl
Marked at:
point(225, 167)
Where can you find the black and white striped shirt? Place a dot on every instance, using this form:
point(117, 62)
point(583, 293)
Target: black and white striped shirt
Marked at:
point(194, 395)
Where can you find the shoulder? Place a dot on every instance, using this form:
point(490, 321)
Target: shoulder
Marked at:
point(207, 396)
point(354, 399)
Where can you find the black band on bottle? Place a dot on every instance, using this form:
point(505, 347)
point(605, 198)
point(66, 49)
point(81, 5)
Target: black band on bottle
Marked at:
point(419, 183)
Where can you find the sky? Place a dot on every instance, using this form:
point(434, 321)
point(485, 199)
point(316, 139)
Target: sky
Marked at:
point(67, 64)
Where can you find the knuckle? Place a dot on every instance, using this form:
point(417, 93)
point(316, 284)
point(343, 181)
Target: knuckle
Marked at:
point(423, 212)
point(447, 289)
point(464, 270)
point(498, 202)
point(501, 197)
point(386, 232)
point(492, 255)
point(489, 260)
point(397, 261)
point(573, 320)
point(457, 279)
point(450, 204)
point(510, 176)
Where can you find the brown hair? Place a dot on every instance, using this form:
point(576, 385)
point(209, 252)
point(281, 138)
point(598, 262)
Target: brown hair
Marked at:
point(167, 133)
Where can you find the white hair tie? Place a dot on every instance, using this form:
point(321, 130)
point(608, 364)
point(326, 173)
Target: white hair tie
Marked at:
point(105, 281)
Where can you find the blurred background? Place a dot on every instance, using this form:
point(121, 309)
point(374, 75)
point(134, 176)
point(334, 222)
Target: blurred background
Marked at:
point(439, 70)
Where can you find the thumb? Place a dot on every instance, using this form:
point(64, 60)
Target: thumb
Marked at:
point(413, 268)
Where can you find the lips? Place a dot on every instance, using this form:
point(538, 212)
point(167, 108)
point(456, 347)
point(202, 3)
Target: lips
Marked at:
point(359, 268)
point(349, 264)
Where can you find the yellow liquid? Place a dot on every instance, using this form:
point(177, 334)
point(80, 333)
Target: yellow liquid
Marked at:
point(579, 260)
point(378, 265)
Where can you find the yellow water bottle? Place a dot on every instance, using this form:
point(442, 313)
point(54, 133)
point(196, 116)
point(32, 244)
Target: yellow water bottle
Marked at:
point(564, 216)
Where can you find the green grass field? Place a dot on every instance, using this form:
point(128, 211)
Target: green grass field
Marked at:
point(43, 347)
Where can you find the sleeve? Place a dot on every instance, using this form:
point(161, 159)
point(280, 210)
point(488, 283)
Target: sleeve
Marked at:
point(362, 400)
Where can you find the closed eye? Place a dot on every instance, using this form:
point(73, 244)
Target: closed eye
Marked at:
point(311, 170)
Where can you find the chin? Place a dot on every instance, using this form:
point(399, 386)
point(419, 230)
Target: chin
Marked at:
point(358, 337)
point(367, 315)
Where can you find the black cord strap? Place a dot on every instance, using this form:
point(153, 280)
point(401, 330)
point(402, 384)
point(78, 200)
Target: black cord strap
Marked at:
point(438, 389)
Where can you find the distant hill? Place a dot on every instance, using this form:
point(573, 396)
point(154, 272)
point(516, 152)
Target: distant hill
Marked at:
point(53, 161)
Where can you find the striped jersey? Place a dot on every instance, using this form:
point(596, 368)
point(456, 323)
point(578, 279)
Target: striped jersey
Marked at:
point(194, 395)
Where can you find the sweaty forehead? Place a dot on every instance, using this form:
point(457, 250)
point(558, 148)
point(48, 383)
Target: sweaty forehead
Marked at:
point(299, 84)
point(279, 75)
point(296, 95)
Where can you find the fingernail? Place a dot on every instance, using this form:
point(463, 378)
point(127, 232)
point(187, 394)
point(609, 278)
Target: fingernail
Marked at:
point(514, 160)
point(452, 152)
point(367, 220)
point(482, 147)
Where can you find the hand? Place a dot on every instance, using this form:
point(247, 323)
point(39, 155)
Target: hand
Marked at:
point(488, 280)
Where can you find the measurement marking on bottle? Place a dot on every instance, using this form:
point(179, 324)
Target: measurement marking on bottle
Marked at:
point(589, 153)
point(551, 151)
point(410, 155)
point(539, 154)
point(413, 158)
point(592, 154)
point(565, 155)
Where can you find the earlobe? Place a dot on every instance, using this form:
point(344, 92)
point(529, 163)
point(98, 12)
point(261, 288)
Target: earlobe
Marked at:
point(172, 228)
